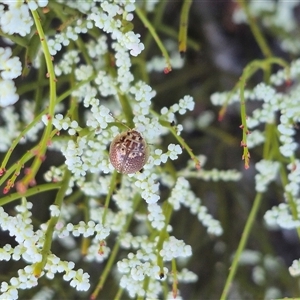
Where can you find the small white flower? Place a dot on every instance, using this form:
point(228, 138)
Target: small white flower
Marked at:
point(294, 269)
point(267, 173)
point(174, 151)
point(8, 94)
point(174, 248)
point(54, 210)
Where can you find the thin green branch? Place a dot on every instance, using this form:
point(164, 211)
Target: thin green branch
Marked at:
point(30, 192)
point(28, 178)
point(112, 186)
point(262, 43)
point(184, 21)
point(51, 225)
point(242, 244)
point(147, 24)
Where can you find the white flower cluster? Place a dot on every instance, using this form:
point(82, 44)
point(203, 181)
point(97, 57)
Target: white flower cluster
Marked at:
point(158, 63)
point(149, 186)
point(156, 216)
point(136, 268)
point(55, 174)
point(10, 68)
point(29, 248)
point(186, 103)
point(273, 102)
point(182, 195)
point(106, 85)
point(97, 50)
point(87, 154)
point(127, 241)
point(105, 19)
point(158, 157)
point(69, 60)
point(219, 98)
point(256, 138)
point(186, 275)
point(280, 216)
point(99, 116)
point(98, 252)
point(141, 104)
point(86, 230)
point(281, 76)
point(290, 115)
point(174, 248)
point(63, 38)
point(16, 19)
point(143, 94)
point(270, 99)
point(25, 280)
point(267, 172)
point(13, 123)
point(213, 174)
point(59, 122)
point(78, 279)
point(65, 231)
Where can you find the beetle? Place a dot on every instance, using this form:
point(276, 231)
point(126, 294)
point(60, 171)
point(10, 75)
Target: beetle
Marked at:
point(128, 152)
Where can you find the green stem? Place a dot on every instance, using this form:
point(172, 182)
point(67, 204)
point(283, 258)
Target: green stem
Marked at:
point(127, 110)
point(119, 294)
point(247, 73)
point(191, 43)
point(184, 20)
point(159, 12)
point(242, 244)
point(163, 235)
point(147, 24)
point(261, 41)
point(112, 186)
point(175, 282)
point(30, 192)
point(16, 168)
point(52, 101)
point(51, 225)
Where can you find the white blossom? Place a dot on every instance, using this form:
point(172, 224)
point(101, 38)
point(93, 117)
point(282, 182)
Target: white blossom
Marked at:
point(174, 248)
point(267, 172)
point(16, 19)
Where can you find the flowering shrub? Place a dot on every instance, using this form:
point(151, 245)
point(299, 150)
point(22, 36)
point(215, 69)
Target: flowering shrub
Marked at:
point(85, 80)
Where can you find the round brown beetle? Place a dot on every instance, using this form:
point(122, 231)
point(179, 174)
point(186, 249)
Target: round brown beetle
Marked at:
point(128, 152)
